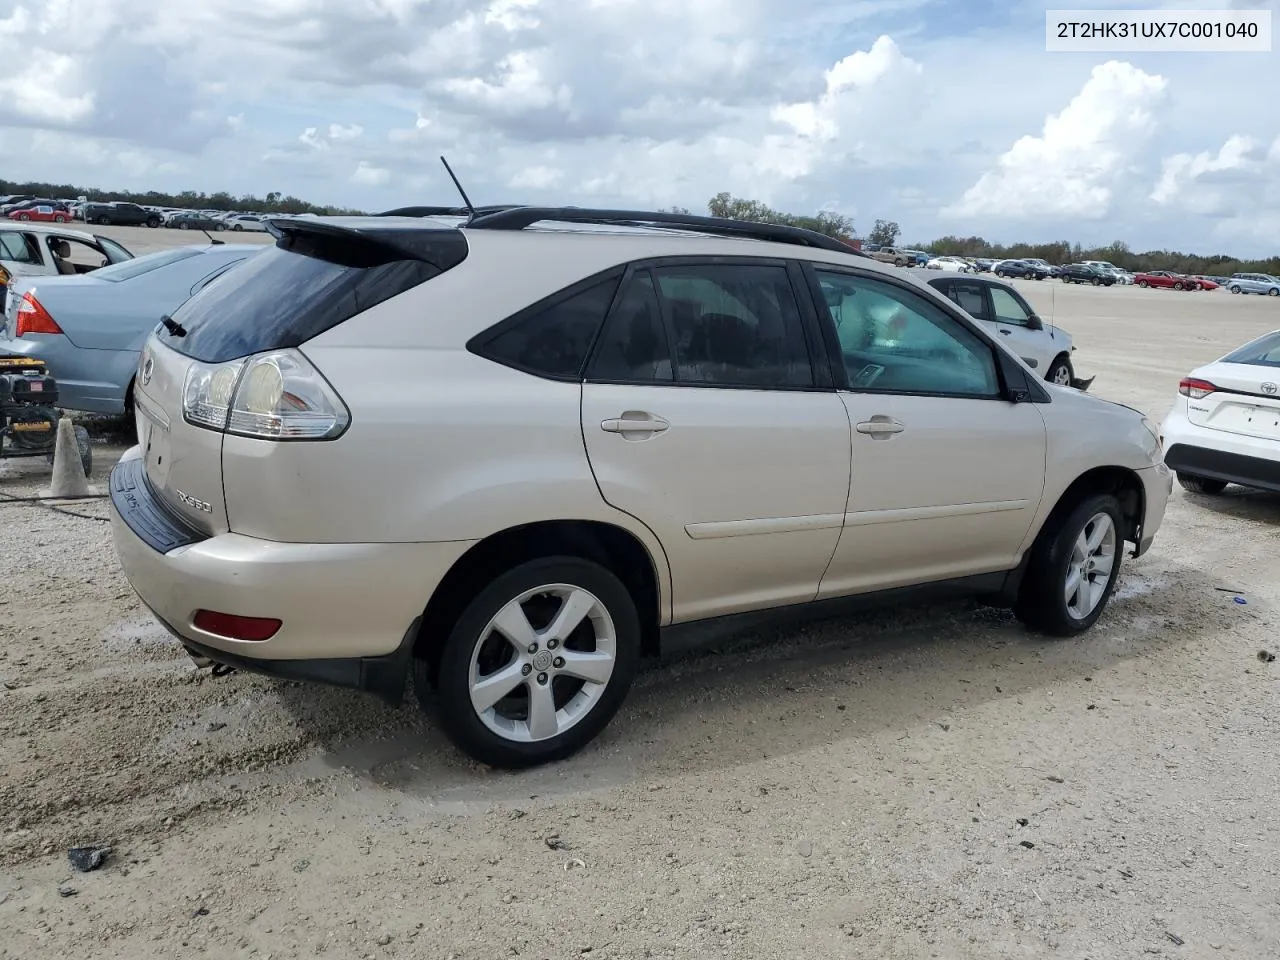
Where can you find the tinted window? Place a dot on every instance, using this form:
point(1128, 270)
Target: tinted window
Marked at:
point(633, 345)
point(895, 341)
point(281, 298)
point(735, 325)
point(553, 341)
point(18, 248)
point(969, 297)
point(136, 267)
point(1007, 307)
point(1264, 351)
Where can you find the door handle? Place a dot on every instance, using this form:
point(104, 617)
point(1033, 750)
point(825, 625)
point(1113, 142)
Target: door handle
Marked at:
point(880, 427)
point(1006, 332)
point(636, 423)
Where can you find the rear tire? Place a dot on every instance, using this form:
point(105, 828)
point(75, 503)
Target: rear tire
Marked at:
point(1204, 485)
point(532, 596)
point(1143, 283)
point(1273, 292)
point(1073, 569)
point(1178, 286)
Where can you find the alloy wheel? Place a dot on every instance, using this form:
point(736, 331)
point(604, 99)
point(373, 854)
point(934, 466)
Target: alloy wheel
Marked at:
point(542, 663)
point(1089, 569)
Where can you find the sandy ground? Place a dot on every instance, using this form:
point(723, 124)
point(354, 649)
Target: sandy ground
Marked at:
point(917, 783)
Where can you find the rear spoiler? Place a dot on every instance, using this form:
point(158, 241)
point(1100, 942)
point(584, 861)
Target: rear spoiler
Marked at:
point(442, 247)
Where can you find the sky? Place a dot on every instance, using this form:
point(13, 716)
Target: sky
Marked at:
point(947, 116)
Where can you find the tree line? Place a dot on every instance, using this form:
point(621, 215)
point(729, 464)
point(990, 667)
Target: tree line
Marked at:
point(883, 232)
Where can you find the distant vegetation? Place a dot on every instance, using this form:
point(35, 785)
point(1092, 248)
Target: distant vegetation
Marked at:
point(884, 232)
point(188, 199)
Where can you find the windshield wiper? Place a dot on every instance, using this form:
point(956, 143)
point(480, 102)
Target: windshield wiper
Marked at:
point(173, 326)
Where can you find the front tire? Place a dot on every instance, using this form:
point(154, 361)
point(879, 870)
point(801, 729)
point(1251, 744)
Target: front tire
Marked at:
point(1073, 569)
point(537, 664)
point(1273, 292)
point(1060, 372)
point(1143, 284)
point(1205, 485)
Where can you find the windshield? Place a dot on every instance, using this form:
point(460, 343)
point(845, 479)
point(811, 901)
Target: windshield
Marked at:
point(1265, 352)
point(137, 266)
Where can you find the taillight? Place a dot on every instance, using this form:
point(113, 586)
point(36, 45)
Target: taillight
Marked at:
point(273, 396)
point(1195, 389)
point(33, 317)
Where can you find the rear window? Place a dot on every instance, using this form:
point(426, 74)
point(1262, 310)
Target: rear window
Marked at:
point(308, 283)
point(136, 267)
point(1265, 351)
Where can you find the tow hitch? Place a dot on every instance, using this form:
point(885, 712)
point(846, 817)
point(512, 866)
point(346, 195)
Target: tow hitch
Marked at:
point(207, 663)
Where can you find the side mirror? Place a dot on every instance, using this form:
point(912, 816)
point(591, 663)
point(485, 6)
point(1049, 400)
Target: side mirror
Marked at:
point(1034, 323)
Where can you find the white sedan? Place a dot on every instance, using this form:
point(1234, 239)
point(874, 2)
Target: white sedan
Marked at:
point(1225, 426)
point(949, 263)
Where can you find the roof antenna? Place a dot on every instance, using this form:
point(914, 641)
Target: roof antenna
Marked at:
point(465, 199)
point(216, 243)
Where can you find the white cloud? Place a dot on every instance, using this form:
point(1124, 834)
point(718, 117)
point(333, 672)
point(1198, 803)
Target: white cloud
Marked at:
point(1074, 166)
point(370, 176)
point(884, 108)
point(539, 177)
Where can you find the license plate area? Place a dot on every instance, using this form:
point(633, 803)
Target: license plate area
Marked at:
point(1252, 420)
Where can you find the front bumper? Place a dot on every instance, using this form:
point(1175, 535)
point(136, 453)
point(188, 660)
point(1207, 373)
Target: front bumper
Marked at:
point(1157, 488)
point(342, 605)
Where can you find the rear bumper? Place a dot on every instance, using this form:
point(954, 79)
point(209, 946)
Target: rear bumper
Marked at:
point(347, 609)
point(1220, 455)
point(1220, 465)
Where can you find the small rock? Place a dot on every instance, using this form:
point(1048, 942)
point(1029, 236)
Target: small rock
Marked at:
point(85, 859)
point(1028, 844)
point(384, 939)
point(1266, 656)
point(553, 842)
point(66, 890)
point(300, 865)
point(201, 912)
point(804, 848)
point(1092, 706)
point(1023, 821)
point(215, 727)
point(1055, 780)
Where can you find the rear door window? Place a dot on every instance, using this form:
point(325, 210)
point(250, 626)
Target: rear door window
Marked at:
point(734, 325)
point(18, 248)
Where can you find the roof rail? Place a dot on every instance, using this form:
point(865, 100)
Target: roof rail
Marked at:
point(518, 218)
point(444, 211)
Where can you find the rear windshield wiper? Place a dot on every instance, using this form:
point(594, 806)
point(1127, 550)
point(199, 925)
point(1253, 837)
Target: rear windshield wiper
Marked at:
point(173, 326)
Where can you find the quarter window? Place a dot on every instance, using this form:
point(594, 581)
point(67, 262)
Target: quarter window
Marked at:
point(553, 341)
point(895, 341)
point(734, 325)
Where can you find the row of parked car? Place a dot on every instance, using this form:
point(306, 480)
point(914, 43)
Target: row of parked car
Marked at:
point(126, 214)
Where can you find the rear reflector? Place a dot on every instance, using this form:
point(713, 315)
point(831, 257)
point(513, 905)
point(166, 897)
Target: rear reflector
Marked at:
point(33, 317)
point(234, 627)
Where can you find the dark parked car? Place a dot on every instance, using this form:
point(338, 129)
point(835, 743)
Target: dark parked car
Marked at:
point(1020, 268)
point(192, 220)
point(120, 213)
point(1083, 273)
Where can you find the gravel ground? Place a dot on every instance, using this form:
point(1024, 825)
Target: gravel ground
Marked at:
point(929, 782)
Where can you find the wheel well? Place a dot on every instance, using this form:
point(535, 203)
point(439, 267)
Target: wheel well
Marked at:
point(612, 547)
point(1122, 482)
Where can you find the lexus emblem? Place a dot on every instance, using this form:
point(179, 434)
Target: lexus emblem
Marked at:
point(149, 366)
point(1269, 389)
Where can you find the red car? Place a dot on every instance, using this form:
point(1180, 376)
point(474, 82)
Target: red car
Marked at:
point(1204, 283)
point(41, 214)
point(1163, 278)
